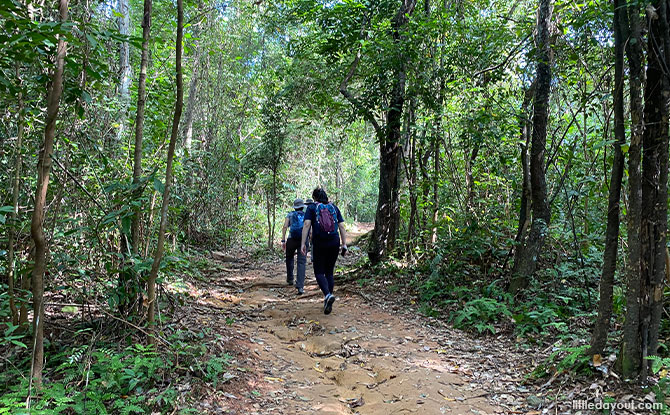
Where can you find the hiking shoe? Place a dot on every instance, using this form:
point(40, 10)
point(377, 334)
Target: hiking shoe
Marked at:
point(328, 304)
point(301, 291)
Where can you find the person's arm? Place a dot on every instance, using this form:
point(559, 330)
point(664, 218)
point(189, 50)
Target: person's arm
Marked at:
point(343, 234)
point(283, 233)
point(305, 231)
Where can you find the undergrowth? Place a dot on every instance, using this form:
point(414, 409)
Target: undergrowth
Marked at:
point(99, 366)
point(103, 378)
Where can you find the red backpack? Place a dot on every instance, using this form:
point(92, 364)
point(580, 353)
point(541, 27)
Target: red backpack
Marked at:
point(326, 218)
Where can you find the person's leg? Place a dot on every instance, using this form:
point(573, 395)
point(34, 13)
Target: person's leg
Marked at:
point(300, 278)
point(331, 259)
point(319, 270)
point(291, 247)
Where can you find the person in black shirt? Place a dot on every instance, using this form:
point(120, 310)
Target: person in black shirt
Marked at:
point(327, 225)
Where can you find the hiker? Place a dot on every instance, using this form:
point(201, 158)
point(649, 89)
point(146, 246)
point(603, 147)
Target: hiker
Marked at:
point(294, 222)
point(328, 232)
point(309, 202)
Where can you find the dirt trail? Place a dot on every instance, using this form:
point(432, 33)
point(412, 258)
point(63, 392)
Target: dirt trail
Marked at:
point(359, 359)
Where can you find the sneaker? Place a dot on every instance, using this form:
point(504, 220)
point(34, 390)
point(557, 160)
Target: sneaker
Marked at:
point(289, 282)
point(301, 291)
point(328, 304)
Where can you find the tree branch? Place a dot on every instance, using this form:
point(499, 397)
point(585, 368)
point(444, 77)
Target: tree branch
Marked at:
point(507, 58)
point(355, 101)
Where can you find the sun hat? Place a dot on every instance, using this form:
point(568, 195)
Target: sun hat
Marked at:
point(298, 204)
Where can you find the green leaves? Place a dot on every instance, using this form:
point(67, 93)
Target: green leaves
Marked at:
point(5, 210)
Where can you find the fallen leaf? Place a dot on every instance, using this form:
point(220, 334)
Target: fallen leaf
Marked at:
point(356, 403)
point(597, 360)
point(271, 379)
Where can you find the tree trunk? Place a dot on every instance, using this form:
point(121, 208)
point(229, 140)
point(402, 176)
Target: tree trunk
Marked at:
point(654, 184)
point(139, 122)
point(659, 144)
point(524, 205)
point(470, 158)
point(602, 324)
point(151, 283)
point(37, 223)
point(124, 63)
point(126, 282)
point(529, 252)
point(436, 180)
point(11, 275)
point(387, 217)
point(272, 208)
point(645, 291)
point(629, 359)
point(191, 103)
point(410, 172)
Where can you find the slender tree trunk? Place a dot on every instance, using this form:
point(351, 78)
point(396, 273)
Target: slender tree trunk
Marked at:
point(410, 173)
point(151, 283)
point(531, 249)
point(191, 104)
point(525, 127)
point(139, 122)
point(124, 63)
point(436, 181)
point(268, 207)
point(470, 158)
point(272, 207)
point(37, 223)
point(11, 274)
point(629, 359)
point(127, 280)
point(602, 324)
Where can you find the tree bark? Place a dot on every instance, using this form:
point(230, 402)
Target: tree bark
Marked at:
point(18, 163)
point(436, 180)
point(126, 282)
point(525, 128)
point(659, 144)
point(37, 223)
point(409, 161)
point(629, 359)
point(531, 249)
point(387, 217)
point(654, 184)
point(642, 323)
point(191, 103)
point(602, 324)
point(139, 122)
point(158, 255)
point(124, 63)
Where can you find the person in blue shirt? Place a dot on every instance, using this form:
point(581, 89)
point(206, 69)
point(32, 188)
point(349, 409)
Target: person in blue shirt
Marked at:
point(329, 238)
point(294, 222)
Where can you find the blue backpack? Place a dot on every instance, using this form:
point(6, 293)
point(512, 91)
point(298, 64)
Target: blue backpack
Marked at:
point(326, 218)
point(296, 219)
